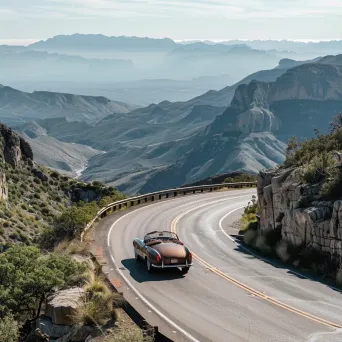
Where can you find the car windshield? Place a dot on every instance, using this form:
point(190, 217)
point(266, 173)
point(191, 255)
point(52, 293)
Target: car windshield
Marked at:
point(160, 236)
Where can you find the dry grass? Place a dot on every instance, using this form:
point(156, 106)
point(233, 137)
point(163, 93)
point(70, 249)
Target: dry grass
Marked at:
point(98, 303)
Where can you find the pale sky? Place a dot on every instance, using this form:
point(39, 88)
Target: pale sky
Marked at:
point(24, 21)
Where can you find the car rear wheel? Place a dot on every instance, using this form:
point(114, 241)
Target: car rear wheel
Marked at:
point(149, 266)
point(185, 270)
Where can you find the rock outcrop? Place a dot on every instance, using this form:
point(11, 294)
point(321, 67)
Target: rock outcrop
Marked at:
point(13, 148)
point(3, 188)
point(286, 203)
point(62, 305)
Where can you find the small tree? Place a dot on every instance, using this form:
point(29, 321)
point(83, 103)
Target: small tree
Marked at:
point(27, 277)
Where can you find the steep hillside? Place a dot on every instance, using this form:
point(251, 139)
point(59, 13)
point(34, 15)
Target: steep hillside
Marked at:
point(251, 134)
point(68, 158)
point(32, 197)
point(17, 106)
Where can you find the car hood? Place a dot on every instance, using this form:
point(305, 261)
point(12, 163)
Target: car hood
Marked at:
point(170, 250)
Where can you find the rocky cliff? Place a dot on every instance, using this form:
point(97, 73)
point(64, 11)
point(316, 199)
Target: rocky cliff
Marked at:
point(13, 148)
point(296, 209)
point(308, 82)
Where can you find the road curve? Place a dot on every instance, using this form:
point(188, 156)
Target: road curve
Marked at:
point(209, 303)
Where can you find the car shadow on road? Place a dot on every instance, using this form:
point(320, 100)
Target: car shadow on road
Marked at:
point(277, 263)
point(138, 271)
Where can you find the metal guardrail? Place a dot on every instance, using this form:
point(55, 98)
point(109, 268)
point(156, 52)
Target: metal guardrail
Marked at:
point(168, 193)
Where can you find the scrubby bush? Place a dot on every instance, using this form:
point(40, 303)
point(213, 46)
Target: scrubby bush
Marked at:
point(9, 331)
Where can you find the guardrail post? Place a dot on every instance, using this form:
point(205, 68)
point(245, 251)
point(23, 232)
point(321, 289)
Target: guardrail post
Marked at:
point(139, 201)
point(202, 190)
point(175, 194)
point(152, 198)
point(120, 206)
point(160, 196)
point(167, 195)
point(184, 193)
point(211, 189)
point(193, 191)
point(145, 199)
point(132, 203)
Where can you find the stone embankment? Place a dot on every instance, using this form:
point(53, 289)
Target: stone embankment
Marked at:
point(297, 209)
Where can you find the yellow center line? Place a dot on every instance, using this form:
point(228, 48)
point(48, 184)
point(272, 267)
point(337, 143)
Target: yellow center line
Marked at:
point(246, 287)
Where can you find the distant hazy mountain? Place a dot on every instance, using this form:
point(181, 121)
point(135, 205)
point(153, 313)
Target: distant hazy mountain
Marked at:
point(251, 133)
point(323, 47)
point(99, 41)
point(164, 58)
point(17, 106)
point(29, 66)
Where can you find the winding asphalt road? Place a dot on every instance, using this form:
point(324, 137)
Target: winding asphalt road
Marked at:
point(229, 294)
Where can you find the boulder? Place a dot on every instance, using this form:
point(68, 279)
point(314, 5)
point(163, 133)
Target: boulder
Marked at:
point(61, 333)
point(63, 304)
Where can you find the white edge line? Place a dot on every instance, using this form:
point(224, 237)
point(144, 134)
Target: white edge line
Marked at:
point(159, 313)
point(263, 259)
point(151, 306)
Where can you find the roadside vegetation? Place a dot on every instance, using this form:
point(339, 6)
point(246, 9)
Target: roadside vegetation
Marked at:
point(249, 217)
point(318, 157)
point(243, 177)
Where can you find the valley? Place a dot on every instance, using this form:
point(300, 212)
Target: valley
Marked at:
point(243, 127)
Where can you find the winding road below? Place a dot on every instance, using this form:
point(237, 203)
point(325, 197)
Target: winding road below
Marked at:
point(229, 294)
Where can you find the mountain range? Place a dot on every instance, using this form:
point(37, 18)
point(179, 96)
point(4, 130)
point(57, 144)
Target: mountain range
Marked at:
point(137, 70)
point(242, 127)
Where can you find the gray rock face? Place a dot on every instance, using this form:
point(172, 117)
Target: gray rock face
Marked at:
point(282, 197)
point(12, 147)
point(62, 333)
point(62, 305)
point(3, 188)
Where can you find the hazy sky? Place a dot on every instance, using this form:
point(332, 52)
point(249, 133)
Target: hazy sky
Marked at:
point(25, 20)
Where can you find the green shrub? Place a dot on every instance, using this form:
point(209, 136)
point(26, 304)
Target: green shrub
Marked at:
point(28, 277)
point(331, 189)
point(9, 331)
point(54, 174)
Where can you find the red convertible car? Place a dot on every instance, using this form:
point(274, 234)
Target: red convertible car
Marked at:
point(163, 249)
